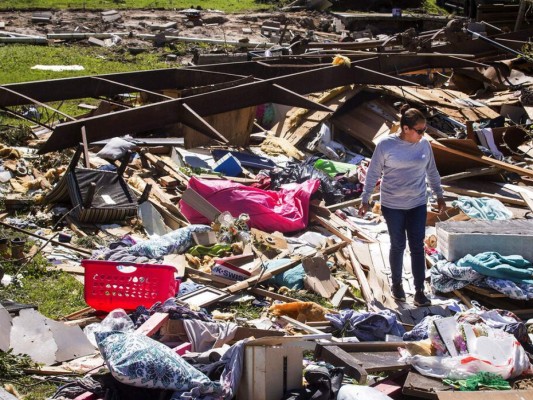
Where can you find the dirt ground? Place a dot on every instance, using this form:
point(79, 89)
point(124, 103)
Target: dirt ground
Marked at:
point(209, 24)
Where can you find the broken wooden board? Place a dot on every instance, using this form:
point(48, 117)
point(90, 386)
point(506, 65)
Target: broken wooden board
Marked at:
point(340, 358)
point(318, 277)
point(439, 147)
point(368, 122)
point(235, 126)
point(421, 386)
point(377, 283)
point(298, 123)
point(153, 324)
point(452, 103)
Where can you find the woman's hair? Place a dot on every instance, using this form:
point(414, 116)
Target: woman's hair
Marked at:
point(410, 116)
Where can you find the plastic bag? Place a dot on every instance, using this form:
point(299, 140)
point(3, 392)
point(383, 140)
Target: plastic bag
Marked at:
point(116, 320)
point(500, 355)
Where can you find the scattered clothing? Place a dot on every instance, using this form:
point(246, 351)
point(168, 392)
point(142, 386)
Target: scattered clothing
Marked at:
point(447, 276)
point(175, 242)
point(483, 208)
point(421, 330)
point(208, 335)
point(514, 267)
point(174, 310)
point(366, 326)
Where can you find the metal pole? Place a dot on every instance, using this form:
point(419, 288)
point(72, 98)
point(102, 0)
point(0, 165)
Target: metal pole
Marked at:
point(499, 45)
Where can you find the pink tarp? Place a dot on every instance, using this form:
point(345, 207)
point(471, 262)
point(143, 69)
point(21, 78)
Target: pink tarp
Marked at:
point(285, 210)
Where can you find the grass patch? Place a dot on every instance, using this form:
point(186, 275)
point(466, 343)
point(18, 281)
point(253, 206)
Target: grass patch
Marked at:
point(56, 293)
point(223, 5)
point(431, 7)
point(17, 60)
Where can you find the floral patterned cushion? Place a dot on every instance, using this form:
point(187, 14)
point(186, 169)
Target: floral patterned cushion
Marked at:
point(139, 361)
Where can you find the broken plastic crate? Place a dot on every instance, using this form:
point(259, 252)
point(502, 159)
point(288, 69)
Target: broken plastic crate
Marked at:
point(110, 285)
point(228, 165)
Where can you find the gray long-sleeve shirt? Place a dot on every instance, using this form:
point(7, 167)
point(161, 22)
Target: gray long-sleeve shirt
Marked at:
point(404, 166)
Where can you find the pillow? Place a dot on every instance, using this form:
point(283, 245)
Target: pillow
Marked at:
point(139, 361)
point(115, 149)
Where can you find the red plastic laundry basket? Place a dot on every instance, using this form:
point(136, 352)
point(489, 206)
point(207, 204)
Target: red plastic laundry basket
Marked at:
point(110, 285)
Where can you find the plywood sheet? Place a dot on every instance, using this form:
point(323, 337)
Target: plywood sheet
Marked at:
point(487, 395)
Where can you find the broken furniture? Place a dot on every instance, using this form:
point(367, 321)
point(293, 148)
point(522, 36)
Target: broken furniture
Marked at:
point(360, 359)
point(96, 196)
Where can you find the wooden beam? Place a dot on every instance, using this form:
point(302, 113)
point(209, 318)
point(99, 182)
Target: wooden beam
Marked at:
point(528, 200)
point(349, 203)
point(153, 324)
point(360, 275)
point(483, 159)
point(340, 358)
point(475, 193)
point(330, 228)
point(85, 147)
point(469, 173)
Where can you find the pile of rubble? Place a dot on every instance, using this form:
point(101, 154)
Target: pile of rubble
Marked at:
point(239, 183)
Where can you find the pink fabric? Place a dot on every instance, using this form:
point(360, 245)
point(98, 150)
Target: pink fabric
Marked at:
point(285, 210)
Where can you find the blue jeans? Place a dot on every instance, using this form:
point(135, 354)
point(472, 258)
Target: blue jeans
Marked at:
point(410, 223)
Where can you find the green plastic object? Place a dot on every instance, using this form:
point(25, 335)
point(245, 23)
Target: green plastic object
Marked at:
point(333, 168)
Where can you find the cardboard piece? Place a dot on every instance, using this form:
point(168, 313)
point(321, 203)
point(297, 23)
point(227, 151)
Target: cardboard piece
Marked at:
point(318, 277)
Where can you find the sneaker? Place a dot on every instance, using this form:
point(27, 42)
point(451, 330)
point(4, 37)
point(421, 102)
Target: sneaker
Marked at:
point(421, 300)
point(397, 292)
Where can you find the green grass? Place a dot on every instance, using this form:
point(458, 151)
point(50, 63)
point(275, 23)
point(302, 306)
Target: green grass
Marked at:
point(224, 5)
point(17, 60)
point(430, 6)
point(56, 293)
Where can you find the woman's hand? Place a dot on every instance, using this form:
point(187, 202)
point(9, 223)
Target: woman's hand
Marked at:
point(363, 209)
point(441, 205)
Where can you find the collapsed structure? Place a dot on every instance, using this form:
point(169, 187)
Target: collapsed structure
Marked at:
point(246, 176)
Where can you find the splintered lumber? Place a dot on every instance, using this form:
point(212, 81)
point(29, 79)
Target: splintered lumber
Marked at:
point(361, 278)
point(474, 193)
point(164, 167)
point(350, 203)
point(527, 200)
point(339, 357)
point(470, 173)
point(318, 277)
point(329, 227)
point(237, 287)
point(169, 38)
point(154, 323)
point(164, 199)
point(483, 159)
point(313, 333)
point(303, 121)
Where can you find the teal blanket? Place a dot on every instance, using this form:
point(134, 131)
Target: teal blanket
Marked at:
point(514, 268)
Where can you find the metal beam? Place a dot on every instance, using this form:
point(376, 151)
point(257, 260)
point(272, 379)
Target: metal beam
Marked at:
point(84, 87)
point(130, 88)
point(31, 101)
point(156, 116)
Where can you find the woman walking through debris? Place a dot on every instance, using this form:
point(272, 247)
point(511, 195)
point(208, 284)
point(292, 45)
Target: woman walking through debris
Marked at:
point(405, 160)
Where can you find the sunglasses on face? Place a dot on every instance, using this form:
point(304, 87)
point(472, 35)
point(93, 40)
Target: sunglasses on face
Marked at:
point(420, 131)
